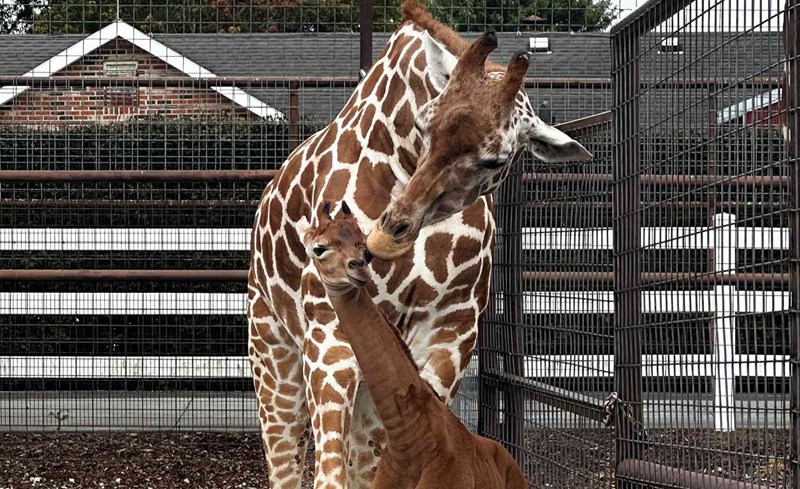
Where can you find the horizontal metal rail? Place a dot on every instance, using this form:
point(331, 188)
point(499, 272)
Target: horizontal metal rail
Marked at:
point(277, 82)
point(174, 81)
point(665, 180)
point(249, 204)
point(573, 402)
point(582, 124)
point(596, 278)
point(122, 275)
point(266, 175)
point(658, 475)
point(136, 175)
point(349, 82)
point(648, 16)
point(593, 206)
point(607, 278)
point(131, 203)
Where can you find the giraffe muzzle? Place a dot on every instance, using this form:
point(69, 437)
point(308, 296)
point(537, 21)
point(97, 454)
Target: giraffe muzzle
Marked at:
point(386, 246)
point(392, 237)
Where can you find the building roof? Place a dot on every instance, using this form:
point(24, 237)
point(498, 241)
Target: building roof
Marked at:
point(736, 111)
point(119, 29)
point(300, 54)
point(580, 55)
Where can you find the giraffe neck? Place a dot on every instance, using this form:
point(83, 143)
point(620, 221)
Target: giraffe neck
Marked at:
point(390, 374)
point(386, 103)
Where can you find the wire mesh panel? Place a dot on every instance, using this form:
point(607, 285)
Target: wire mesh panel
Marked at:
point(135, 145)
point(136, 139)
point(703, 219)
point(547, 336)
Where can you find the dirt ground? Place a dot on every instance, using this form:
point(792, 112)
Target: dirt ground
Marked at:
point(556, 459)
point(141, 460)
point(585, 458)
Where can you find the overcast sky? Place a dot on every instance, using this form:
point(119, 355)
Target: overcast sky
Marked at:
point(726, 15)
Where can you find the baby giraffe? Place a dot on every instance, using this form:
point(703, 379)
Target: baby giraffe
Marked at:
point(427, 446)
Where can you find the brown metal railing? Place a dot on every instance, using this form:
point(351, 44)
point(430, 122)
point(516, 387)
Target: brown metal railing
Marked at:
point(631, 469)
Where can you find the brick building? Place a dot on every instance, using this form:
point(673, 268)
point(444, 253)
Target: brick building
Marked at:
point(121, 53)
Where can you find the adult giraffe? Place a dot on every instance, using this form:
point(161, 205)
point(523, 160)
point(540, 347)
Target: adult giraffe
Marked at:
point(429, 89)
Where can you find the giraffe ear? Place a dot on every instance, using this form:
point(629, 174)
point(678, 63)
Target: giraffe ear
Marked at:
point(303, 227)
point(441, 62)
point(550, 145)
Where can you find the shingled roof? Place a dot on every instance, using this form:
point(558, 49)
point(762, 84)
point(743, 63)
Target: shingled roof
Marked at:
point(582, 55)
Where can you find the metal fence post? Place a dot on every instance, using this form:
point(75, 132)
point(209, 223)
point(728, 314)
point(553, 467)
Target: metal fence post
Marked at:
point(626, 202)
point(725, 304)
point(488, 394)
point(294, 115)
point(489, 346)
point(511, 217)
point(365, 35)
point(792, 133)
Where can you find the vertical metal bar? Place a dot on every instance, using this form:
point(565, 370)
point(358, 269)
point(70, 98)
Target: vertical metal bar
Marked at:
point(626, 202)
point(713, 152)
point(488, 357)
point(488, 394)
point(365, 35)
point(511, 215)
point(792, 132)
point(294, 115)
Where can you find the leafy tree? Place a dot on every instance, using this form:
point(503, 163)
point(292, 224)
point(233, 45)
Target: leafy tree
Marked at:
point(575, 15)
point(476, 15)
point(87, 16)
point(17, 17)
point(191, 16)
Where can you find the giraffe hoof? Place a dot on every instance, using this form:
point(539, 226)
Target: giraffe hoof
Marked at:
point(385, 247)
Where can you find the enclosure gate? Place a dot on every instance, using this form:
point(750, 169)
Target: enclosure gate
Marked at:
point(704, 345)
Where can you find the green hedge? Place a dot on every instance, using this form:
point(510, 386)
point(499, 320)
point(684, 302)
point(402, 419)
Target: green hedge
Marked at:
point(151, 144)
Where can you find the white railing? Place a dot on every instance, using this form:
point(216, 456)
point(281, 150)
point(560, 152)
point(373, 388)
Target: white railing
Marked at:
point(724, 302)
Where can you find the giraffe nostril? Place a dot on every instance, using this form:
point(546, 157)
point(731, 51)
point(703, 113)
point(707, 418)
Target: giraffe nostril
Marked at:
point(400, 229)
point(356, 263)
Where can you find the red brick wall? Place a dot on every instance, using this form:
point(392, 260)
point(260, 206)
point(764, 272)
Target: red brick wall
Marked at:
point(110, 104)
point(771, 115)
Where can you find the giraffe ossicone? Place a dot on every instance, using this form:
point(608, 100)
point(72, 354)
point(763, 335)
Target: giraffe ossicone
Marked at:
point(398, 153)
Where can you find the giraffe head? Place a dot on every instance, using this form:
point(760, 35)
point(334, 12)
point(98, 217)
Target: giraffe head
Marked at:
point(473, 131)
point(337, 247)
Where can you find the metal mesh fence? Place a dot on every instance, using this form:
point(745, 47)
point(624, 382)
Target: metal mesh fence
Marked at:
point(651, 287)
point(257, 16)
point(549, 327)
point(134, 152)
point(135, 141)
point(703, 306)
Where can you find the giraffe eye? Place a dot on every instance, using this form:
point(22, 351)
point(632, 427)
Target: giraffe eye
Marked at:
point(319, 250)
point(492, 164)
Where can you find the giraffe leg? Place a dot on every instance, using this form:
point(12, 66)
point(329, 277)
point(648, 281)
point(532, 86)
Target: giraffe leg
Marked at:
point(331, 378)
point(367, 441)
point(283, 414)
